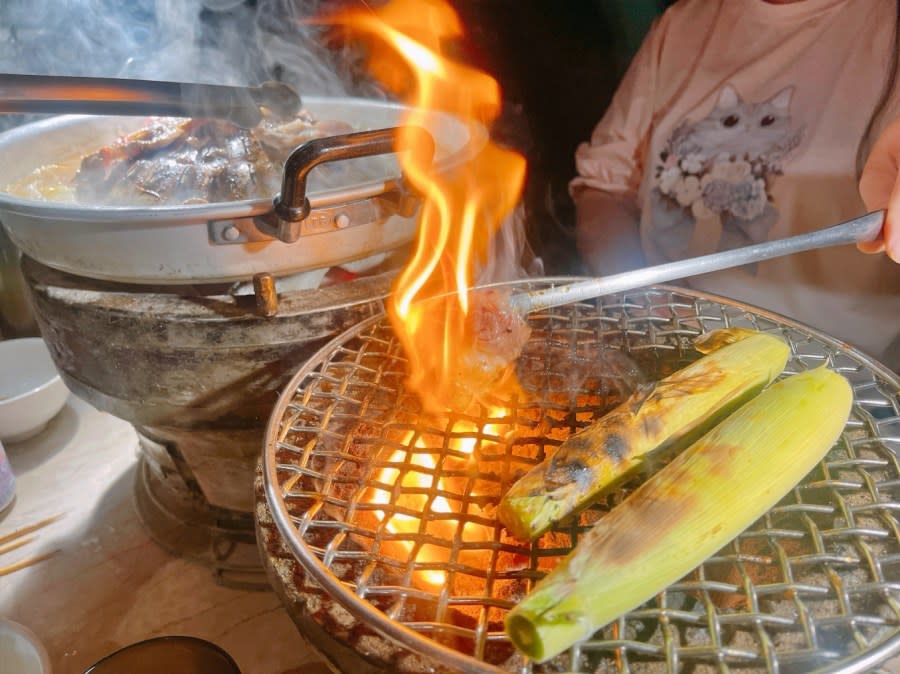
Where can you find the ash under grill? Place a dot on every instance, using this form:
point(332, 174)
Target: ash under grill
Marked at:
point(378, 523)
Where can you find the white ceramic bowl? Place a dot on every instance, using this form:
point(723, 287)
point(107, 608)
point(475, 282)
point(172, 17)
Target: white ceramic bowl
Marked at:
point(21, 651)
point(31, 390)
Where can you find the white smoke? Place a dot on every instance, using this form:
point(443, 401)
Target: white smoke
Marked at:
point(509, 256)
point(238, 42)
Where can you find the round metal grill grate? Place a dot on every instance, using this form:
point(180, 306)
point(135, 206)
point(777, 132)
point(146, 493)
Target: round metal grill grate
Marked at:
point(391, 514)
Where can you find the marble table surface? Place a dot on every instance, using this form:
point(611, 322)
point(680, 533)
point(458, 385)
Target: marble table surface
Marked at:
point(107, 584)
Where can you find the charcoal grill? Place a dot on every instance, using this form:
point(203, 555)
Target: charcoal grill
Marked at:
point(812, 585)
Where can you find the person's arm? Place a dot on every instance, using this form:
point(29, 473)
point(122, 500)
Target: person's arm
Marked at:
point(607, 231)
point(879, 187)
point(609, 166)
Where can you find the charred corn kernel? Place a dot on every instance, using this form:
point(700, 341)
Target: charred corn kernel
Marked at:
point(668, 418)
point(691, 508)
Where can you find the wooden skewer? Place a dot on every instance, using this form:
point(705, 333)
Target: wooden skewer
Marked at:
point(17, 544)
point(18, 533)
point(5, 570)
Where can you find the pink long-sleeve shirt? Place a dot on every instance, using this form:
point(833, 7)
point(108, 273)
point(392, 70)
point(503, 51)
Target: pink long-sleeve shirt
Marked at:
point(738, 122)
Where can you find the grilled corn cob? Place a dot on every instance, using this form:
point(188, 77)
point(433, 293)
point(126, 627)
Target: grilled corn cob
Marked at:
point(673, 414)
point(690, 509)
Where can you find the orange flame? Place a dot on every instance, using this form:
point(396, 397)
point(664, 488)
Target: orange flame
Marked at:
point(431, 310)
point(462, 209)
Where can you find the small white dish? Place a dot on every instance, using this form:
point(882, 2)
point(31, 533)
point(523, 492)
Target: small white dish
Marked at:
point(31, 390)
point(21, 651)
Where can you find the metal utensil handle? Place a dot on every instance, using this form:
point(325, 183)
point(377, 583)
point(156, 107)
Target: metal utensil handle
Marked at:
point(115, 96)
point(864, 228)
point(292, 204)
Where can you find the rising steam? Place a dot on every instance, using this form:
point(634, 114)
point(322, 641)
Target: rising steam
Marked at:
point(212, 41)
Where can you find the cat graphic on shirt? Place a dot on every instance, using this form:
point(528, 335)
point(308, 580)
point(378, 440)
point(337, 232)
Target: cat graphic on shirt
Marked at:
point(723, 165)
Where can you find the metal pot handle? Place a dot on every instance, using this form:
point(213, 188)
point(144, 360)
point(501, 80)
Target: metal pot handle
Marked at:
point(292, 207)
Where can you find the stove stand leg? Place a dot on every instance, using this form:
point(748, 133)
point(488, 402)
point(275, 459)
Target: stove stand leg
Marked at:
point(182, 522)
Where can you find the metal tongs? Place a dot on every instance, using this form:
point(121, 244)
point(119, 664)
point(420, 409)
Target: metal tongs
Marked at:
point(864, 228)
point(113, 96)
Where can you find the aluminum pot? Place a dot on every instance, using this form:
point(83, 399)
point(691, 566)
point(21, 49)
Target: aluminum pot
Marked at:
point(227, 241)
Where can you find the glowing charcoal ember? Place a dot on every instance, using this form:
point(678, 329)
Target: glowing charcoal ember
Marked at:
point(421, 513)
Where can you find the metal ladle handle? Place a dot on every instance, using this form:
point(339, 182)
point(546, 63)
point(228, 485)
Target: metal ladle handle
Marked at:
point(118, 96)
point(864, 228)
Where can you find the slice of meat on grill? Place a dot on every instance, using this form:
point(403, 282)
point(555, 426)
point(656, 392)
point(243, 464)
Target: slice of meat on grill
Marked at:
point(493, 338)
point(181, 161)
point(497, 332)
point(461, 355)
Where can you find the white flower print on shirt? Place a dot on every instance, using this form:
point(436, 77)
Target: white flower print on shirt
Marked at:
point(724, 165)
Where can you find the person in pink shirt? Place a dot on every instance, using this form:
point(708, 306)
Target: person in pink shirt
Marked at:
point(743, 121)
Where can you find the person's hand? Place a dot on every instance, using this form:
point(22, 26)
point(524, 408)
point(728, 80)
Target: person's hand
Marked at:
point(879, 187)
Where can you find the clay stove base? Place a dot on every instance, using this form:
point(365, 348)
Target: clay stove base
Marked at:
point(186, 525)
point(197, 371)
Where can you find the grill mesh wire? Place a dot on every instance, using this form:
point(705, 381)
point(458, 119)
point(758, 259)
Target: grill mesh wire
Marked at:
point(815, 583)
